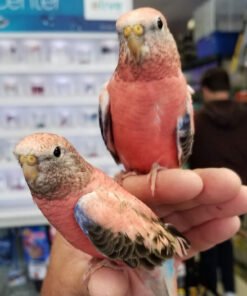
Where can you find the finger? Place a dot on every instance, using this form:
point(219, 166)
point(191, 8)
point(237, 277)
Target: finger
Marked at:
point(108, 282)
point(209, 234)
point(172, 186)
point(219, 185)
point(64, 259)
point(188, 219)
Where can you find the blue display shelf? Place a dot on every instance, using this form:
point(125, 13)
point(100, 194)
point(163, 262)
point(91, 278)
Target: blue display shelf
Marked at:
point(218, 43)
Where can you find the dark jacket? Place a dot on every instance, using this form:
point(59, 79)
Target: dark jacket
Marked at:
point(221, 137)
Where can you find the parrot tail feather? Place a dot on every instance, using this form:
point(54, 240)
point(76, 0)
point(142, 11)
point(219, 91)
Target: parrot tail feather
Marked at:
point(182, 244)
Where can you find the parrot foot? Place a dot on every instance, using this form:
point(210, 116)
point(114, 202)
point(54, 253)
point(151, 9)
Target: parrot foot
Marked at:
point(96, 264)
point(138, 281)
point(119, 178)
point(152, 176)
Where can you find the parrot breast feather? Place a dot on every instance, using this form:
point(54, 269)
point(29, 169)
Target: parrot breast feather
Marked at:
point(122, 232)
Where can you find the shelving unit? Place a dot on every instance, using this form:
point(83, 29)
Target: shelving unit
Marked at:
point(66, 132)
point(49, 101)
point(55, 69)
point(16, 206)
point(18, 217)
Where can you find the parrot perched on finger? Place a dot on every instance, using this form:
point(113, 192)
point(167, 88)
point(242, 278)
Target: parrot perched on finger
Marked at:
point(145, 109)
point(91, 211)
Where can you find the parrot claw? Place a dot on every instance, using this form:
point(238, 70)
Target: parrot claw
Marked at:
point(95, 265)
point(152, 176)
point(119, 178)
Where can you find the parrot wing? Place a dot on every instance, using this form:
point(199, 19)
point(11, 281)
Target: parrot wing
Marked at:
point(127, 230)
point(185, 130)
point(105, 122)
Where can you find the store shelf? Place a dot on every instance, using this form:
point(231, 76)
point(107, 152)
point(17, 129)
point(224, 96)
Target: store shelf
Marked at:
point(40, 101)
point(17, 217)
point(16, 206)
point(15, 195)
point(15, 69)
point(18, 209)
point(66, 132)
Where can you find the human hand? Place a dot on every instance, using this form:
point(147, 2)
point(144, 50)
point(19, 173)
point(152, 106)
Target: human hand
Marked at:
point(202, 204)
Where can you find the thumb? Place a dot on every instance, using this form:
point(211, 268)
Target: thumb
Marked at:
point(108, 282)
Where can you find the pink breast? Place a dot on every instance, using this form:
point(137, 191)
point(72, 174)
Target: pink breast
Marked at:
point(60, 213)
point(144, 122)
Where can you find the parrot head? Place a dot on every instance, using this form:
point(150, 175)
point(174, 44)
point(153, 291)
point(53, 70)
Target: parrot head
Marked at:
point(145, 39)
point(51, 166)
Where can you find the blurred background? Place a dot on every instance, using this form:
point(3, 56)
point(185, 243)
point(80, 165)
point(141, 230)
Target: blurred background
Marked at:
point(55, 56)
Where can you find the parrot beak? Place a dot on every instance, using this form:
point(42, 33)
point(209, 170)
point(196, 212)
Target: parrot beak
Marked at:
point(135, 46)
point(135, 41)
point(29, 165)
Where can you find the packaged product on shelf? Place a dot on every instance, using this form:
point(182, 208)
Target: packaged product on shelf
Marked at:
point(80, 117)
point(37, 86)
point(8, 152)
point(63, 86)
point(90, 146)
point(89, 85)
point(33, 51)
point(10, 118)
point(40, 118)
point(109, 51)
point(9, 52)
point(36, 251)
point(16, 273)
point(90, 115)
point(3, 181)
point(6, 246)
point(84, 52)
point(3, 148)
point(10, 86)
point(64, 117)
point(59, 52)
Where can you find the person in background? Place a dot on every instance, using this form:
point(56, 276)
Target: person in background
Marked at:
point(220, 141)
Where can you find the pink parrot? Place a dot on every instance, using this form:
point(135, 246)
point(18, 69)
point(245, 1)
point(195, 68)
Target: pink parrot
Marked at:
point(93, 212)
point(145, 112)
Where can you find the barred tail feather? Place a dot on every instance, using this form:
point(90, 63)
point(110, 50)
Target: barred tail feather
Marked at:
point(182, 244)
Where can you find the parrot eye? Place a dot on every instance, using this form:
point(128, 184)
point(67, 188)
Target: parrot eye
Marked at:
point(159, 23)
point(57, 152)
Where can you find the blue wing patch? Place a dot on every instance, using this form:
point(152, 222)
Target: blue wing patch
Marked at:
point(184, 137)
point(82, 219)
